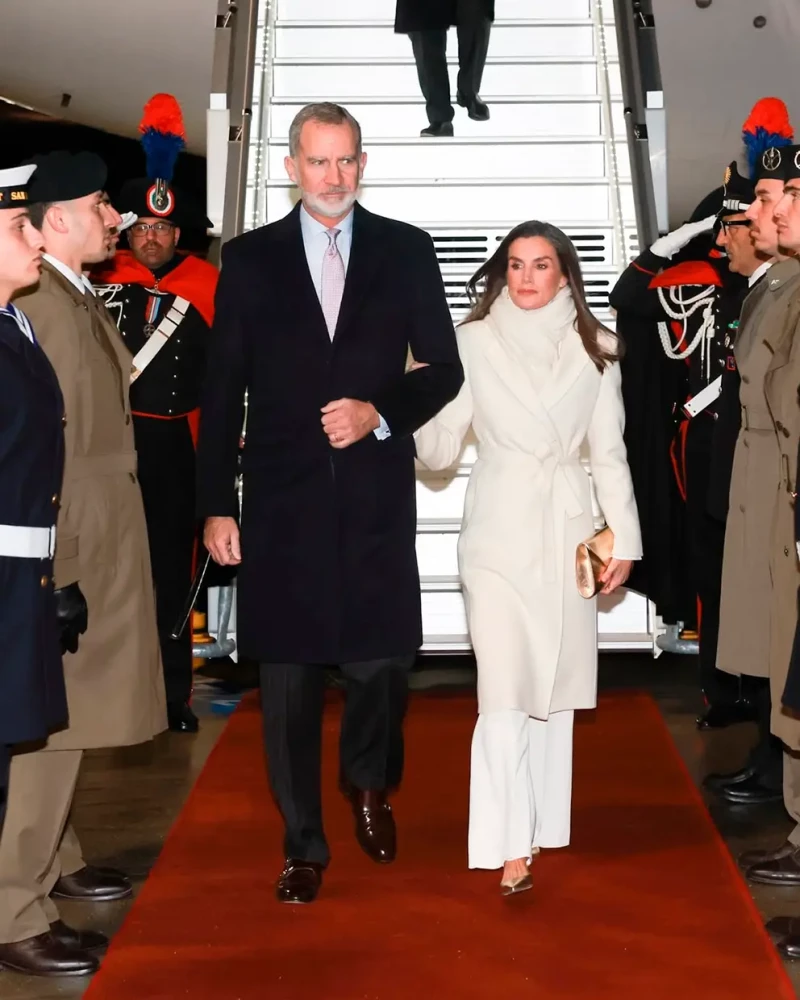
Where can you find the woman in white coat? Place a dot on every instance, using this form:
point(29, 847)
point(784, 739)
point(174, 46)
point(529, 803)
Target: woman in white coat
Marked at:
point(541, 380)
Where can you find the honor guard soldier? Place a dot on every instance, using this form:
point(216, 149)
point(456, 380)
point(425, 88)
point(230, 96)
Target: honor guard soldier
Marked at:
point(163, 303)
point(695, 303)
point(36, 622)
point(32, 696)
point(115, 690)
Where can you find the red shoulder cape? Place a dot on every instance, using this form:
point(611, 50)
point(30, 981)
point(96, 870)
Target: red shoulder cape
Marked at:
point(690, 272)
point(193, 279)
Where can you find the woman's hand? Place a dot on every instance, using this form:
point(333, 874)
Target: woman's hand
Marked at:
point(615, 574)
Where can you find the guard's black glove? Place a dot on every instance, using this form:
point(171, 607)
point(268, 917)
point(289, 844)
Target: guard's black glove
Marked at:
point(72, 615)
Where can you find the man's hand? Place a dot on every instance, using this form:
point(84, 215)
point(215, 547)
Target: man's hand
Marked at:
point(72, 616)
point(615, 574)
point(221, 538)
point(346, 421)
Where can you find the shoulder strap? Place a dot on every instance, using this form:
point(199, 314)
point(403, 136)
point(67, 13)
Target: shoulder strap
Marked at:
point(168, 325)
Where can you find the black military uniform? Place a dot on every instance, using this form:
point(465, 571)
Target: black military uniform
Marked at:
point(165, 397)
point(695, 305)
point(32, 695)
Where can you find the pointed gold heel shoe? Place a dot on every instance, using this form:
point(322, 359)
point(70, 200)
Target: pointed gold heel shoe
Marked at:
point(521, 884)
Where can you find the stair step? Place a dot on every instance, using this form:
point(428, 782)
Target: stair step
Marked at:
point(522, 37)
point(303, 10)
point(550, 116)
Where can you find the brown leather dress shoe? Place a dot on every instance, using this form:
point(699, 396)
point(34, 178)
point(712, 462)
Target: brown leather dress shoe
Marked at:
point(375, 829)
point(750, 858)
point(93, 885)
point(784, 870)
point(45, 955)
point(82, 940)
point(299, 882)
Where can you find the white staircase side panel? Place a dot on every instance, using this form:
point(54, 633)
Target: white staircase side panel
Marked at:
point(513, 38)
point(398, 78)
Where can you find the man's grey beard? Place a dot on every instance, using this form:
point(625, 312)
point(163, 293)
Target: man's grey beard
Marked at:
point(331, 210)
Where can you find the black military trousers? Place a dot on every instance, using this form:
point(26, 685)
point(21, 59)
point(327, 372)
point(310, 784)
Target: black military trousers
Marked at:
point(706, 544)
point(370, 742)
point(430, 55)
point(167, 478)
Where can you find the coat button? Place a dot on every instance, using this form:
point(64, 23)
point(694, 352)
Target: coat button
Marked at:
point(786, 550)
point(741, 507)
point(127, 418)
point(745, 379)
point(44, 581)
point(133, 478)
point(785, 431)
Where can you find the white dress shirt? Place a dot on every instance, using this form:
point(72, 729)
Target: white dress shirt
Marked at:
point(759, 271)
point(80, 282)
point(315, 242)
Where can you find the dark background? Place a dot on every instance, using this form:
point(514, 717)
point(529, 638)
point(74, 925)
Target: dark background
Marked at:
point(24, 133)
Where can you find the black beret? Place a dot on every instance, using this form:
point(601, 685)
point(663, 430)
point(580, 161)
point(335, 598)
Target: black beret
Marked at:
point(141, 197)
point(63, 176)
point(791, 162)
point(771, 165)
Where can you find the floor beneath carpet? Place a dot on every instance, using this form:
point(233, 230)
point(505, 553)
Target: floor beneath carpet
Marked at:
point(128, 799)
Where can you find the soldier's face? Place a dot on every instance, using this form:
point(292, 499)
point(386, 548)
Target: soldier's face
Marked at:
point(763, 230)
point(21, 249)
point(153, 241)
point(734, 237)
point(90, 221)
point(787, 215)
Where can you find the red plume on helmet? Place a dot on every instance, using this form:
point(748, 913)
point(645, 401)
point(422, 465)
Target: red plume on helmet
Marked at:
point(767, 125)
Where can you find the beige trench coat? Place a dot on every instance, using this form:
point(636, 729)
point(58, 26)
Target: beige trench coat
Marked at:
point(527, 508)
point(115, 688)
point(745, 607)
point(781, 386)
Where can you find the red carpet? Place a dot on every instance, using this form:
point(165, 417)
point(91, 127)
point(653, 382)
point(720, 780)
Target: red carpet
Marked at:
point(646, 904)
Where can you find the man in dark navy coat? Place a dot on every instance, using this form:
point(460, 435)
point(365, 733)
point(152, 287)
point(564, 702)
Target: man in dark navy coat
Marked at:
point(37, 623)
point(315, 315)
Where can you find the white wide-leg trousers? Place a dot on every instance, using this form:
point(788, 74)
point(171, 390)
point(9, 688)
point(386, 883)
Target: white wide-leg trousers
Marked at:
point(520, 786)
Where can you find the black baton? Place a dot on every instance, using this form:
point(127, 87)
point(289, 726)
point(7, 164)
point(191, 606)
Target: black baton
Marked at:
point(188, 607)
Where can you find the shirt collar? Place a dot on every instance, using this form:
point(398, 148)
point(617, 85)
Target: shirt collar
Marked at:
point(311, 227)
point(759, 272)
point(79, 281)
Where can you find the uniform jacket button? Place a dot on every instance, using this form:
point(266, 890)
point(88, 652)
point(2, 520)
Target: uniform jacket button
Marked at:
point(741, 507)
point(133, 478)
point(745, 379)
point(64, 420)
point(44, 581)
point(55, 498)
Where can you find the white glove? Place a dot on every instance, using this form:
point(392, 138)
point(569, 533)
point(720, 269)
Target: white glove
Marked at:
point(666, 246)
point(128, 220)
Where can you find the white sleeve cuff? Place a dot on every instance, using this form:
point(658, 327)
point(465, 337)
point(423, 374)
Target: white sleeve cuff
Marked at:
point(382, 431)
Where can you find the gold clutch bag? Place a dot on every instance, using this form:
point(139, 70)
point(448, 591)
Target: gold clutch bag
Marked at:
point(591, 558)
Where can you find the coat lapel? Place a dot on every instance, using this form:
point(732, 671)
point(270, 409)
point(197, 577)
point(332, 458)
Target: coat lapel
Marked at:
point(307, 307)
point(571, 363)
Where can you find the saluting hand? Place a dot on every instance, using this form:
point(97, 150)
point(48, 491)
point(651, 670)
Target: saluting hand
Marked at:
point(346, 421)
point(221, 538)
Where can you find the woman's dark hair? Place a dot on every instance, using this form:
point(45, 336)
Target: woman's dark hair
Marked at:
point(488, 281)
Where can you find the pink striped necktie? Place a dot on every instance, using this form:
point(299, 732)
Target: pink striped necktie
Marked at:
point(332, 282)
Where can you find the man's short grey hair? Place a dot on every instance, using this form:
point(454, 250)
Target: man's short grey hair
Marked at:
point(325, 113)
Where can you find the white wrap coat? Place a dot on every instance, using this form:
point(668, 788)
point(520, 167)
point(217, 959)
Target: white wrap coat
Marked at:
point(533, 398)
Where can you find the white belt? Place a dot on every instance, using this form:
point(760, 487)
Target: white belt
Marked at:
point(19, 542)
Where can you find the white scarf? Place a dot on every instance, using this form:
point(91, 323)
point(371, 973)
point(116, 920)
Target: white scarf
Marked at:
point(535, 336)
